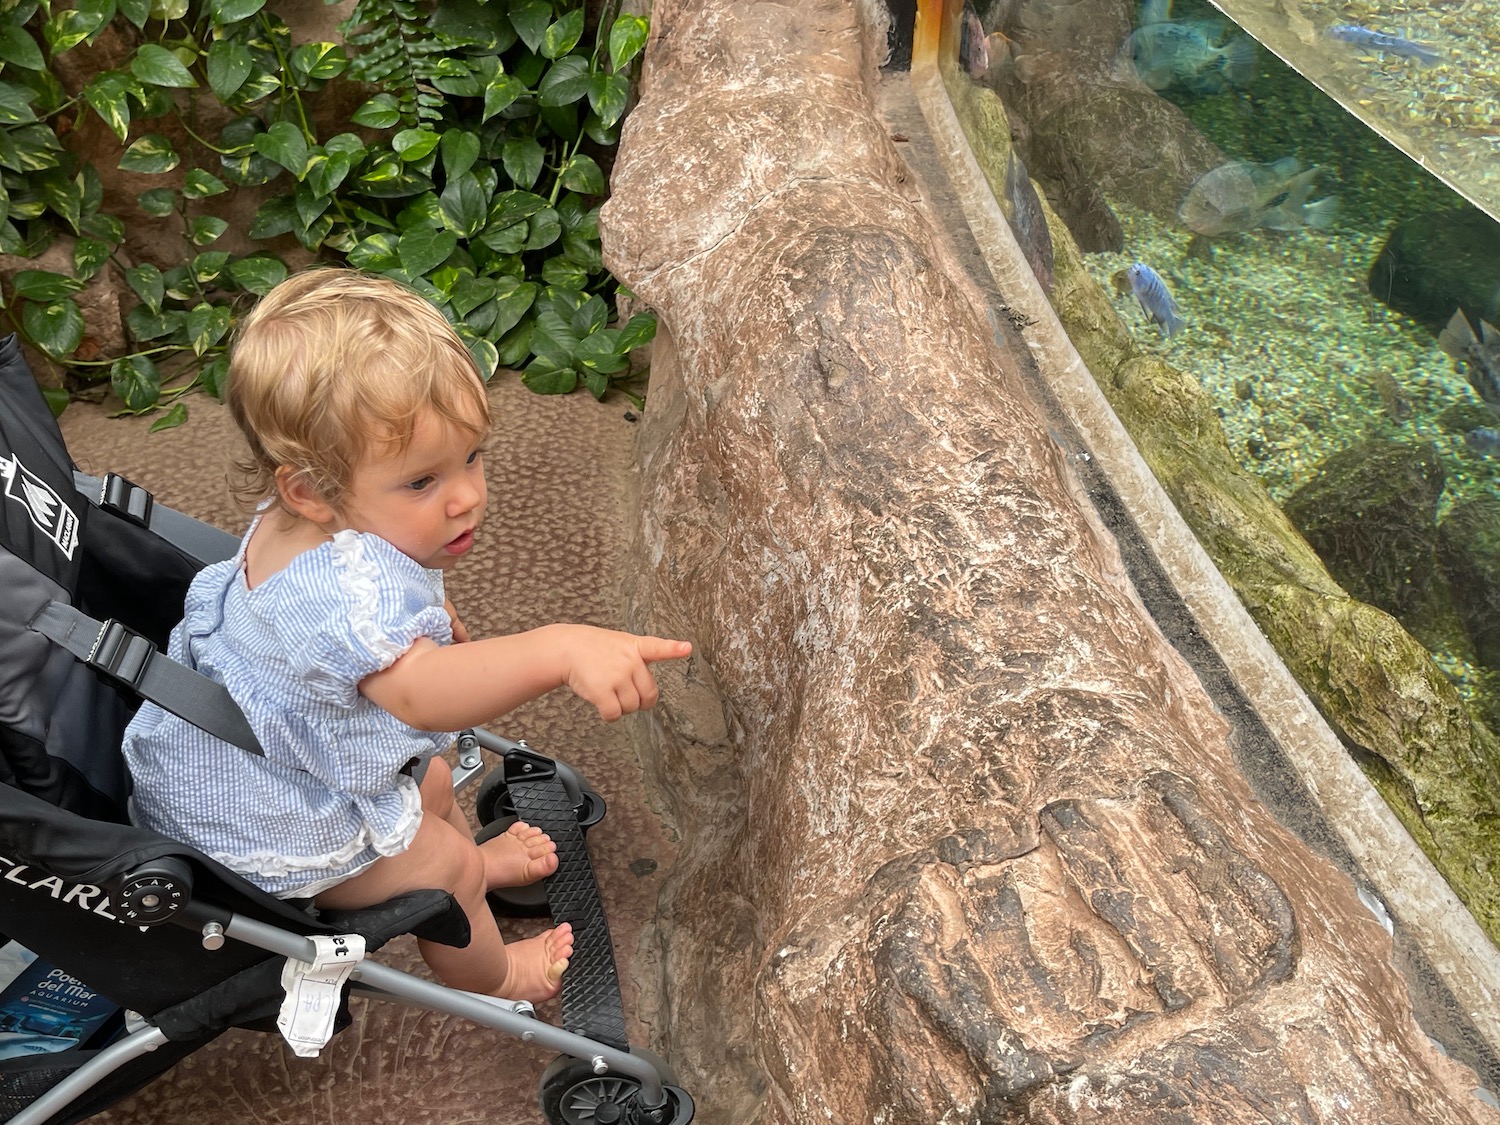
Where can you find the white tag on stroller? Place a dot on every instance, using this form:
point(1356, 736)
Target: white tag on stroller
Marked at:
point(313, 992)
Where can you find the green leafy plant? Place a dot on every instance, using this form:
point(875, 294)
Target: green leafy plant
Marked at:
point(471, 171)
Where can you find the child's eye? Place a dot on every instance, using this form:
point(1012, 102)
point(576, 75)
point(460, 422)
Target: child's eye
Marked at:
point(420, 484)
point(473, 457)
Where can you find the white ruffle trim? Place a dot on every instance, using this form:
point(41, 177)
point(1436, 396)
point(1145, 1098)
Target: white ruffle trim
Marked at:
point(359, 578)
point(273, 866)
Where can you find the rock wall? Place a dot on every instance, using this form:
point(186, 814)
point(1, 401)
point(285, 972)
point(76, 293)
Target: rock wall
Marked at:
point(966, 842)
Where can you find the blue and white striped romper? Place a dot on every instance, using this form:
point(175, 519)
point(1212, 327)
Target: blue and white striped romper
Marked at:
point(330, 796)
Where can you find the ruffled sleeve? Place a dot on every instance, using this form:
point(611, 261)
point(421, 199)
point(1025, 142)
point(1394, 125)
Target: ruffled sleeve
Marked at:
point(363, 606)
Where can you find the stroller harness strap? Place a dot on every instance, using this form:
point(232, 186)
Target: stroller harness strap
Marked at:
point(126, 656)
point(201, 541)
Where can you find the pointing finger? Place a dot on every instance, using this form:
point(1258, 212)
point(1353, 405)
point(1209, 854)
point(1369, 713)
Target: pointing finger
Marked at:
point(653, 649)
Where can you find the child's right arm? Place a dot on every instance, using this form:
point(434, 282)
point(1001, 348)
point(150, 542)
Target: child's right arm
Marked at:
point(450, 687)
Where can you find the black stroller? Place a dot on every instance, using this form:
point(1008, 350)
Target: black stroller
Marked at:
point(93, 576)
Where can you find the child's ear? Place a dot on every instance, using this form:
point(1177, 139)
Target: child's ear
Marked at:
point(297, 493)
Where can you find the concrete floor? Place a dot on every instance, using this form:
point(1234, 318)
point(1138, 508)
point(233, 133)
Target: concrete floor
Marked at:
point(559, 475)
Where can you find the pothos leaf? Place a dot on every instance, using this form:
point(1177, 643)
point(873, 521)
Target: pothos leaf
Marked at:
point(56, 326)
point(157, 66)
point(171, 419)
point(626, 39)
point(135, 381)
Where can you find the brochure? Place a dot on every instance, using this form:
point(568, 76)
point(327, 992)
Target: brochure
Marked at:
point(42, 1008)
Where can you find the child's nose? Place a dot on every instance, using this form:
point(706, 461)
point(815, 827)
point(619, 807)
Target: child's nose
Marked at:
point(465, 497)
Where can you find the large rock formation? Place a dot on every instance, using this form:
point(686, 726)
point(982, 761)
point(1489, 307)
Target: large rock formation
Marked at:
point(969, 844)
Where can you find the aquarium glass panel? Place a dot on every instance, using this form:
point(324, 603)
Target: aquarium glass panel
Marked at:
point(1317, 314)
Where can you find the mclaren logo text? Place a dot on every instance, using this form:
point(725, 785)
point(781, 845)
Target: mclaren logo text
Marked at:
point(85, 896)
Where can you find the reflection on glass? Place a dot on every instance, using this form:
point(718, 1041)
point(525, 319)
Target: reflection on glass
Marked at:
point(1327, 293)
point(1426, 76)
point(1338, 303)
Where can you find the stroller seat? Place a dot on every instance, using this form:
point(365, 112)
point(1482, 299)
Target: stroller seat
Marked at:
point(95, 574)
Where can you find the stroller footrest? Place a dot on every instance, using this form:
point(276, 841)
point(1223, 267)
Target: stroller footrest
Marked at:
point(591, 1003)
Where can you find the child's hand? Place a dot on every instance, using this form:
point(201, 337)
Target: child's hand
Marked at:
point(460, 633)
point(612, 670)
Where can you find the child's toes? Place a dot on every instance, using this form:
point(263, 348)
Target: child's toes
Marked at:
point(560, 942)
point(519, 856)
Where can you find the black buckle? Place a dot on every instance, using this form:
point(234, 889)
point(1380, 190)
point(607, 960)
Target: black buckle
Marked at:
point(125, 499)
point(121, 652)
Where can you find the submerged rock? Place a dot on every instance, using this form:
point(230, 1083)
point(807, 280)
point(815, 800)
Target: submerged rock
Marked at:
point(1083, 117)
point(1438, 262)
point(1371, 514)
point(1077, 200)
point(1469, 550)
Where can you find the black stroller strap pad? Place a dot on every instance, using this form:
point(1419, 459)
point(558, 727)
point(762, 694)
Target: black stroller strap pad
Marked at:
point(194, 538)
point(126, 656)
point(591, 1003)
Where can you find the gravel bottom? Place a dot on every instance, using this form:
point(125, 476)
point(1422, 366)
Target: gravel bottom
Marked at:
point(1301, 361)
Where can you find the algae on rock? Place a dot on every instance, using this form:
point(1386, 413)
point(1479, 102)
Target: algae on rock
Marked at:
point(1377, 685)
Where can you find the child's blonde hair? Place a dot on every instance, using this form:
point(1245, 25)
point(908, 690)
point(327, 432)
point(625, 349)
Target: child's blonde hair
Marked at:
point(333, 361)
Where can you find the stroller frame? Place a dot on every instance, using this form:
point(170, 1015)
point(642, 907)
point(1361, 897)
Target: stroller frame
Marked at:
point(111, 903)
point(376, 981)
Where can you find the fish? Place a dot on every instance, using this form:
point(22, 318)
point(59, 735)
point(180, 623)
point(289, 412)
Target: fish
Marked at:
point(1243, 195)
point(1484, 441)
point(1151, 291)
point(1397, 405)
point(1478, 352)
point(979, 53)
point(973, 49)
point(1388, 44)
point(1028, 220)
point(1162, 51)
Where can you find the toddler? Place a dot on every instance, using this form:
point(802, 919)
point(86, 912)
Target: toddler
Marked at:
point(365, 417)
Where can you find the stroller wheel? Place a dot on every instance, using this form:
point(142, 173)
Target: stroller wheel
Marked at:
point(492, 802)
point(496, 812)
point(572, 1094)
point(513, 902)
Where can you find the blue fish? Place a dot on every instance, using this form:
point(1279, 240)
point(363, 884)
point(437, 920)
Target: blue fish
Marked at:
point(1151, 291)
point(1380, 41)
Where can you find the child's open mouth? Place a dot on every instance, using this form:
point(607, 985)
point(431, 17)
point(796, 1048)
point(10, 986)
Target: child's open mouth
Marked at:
point(460, 545)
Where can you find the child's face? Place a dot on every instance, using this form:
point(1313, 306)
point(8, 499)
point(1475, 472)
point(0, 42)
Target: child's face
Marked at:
point(425, 500)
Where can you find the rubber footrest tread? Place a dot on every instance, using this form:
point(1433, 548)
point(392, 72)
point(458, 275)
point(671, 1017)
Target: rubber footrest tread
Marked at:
point(591, 1003)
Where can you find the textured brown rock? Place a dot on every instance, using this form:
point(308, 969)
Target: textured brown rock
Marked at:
point(99, 301)
point(969, 844)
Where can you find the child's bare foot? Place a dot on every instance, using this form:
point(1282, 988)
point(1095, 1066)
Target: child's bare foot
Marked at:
point(535, 965)
point(519, 856)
